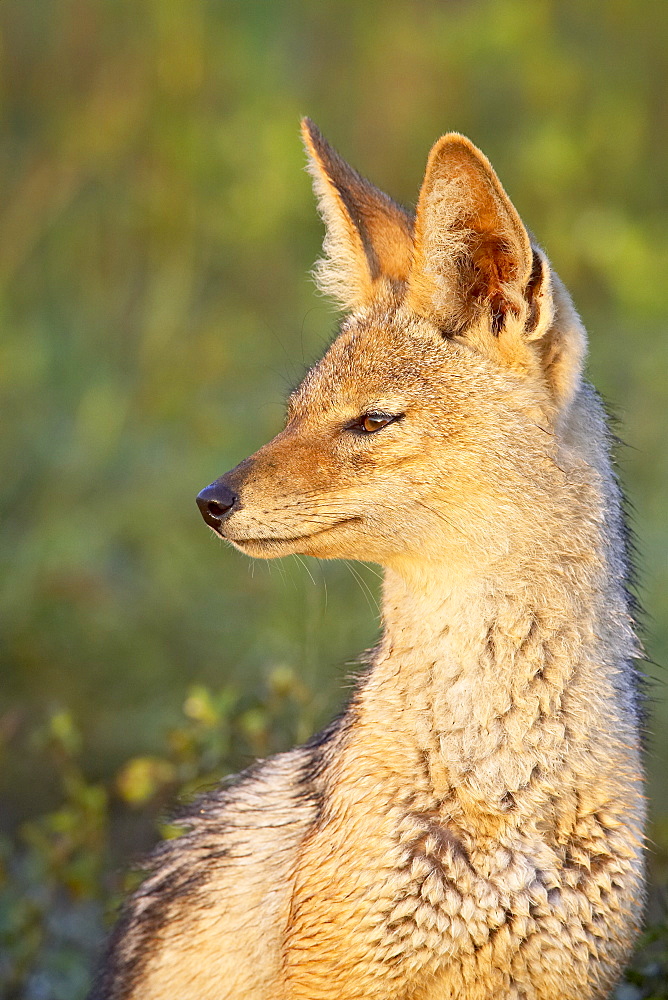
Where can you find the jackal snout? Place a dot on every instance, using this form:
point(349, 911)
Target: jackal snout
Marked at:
point(216, 502)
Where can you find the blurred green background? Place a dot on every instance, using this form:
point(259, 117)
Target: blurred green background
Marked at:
point(156, 232)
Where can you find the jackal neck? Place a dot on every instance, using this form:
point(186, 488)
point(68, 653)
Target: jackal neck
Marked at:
point(498, 682)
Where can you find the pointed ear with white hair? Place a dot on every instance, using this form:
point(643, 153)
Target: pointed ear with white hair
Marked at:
point(368, 240)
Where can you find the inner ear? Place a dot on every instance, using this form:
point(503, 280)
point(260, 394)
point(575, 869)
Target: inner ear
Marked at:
point(472, 252)
point(488, 272)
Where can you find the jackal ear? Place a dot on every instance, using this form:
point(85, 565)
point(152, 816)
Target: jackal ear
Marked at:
point(477, 275)
point(472, 253)
point(368, 237)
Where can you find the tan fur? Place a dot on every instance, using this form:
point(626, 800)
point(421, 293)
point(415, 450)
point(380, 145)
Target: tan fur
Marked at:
point(471, 828)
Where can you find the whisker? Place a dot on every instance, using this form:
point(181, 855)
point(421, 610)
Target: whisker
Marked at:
point(364, 587)
point(300, 559)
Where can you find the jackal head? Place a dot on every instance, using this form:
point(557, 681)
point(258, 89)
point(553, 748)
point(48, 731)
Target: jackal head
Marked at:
point(435, 425)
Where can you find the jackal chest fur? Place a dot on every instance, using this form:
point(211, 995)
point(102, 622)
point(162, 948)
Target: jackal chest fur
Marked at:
point(483, 916)
point(464, 903)
point(515, 854)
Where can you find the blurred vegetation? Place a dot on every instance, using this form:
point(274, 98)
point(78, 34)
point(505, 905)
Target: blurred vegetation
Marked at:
point(156, 229)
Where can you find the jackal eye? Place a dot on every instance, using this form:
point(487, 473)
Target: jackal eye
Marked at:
point(373, 422)
point(369, 423)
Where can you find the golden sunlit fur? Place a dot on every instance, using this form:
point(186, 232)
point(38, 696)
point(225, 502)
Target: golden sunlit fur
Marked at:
point(471, 827)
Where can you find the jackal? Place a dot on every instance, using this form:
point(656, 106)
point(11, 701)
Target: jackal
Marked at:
point(471, 827)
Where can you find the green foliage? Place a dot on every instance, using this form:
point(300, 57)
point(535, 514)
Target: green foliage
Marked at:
point(156, 228)
point(59, 878)
point(51, 879)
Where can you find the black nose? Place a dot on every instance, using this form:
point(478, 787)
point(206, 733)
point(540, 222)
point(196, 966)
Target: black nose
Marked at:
point(215, 503)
